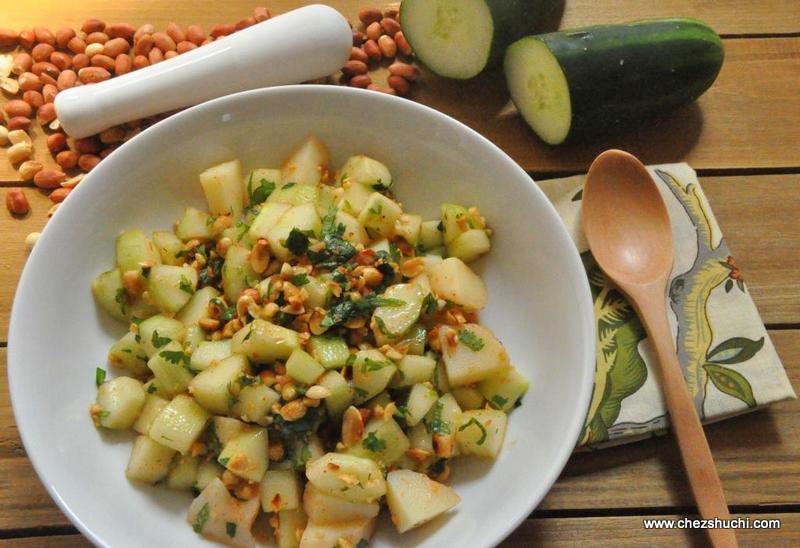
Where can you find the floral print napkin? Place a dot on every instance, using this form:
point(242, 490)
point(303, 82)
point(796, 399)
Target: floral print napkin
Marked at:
point(729, 362)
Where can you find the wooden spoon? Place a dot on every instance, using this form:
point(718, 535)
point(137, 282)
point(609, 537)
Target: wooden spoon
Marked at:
point(629, 233)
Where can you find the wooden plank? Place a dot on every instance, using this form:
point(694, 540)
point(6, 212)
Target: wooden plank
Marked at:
point(725, 129)
point(629, 531)
point(748, 450)
point(757, 215)
point(726, 16)
point(60, 541)
point(647, 474)
point(566, 532)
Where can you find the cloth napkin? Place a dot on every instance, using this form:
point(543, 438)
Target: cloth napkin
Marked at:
point(729, 362)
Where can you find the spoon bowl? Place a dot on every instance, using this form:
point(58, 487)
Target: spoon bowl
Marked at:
point(623, 205)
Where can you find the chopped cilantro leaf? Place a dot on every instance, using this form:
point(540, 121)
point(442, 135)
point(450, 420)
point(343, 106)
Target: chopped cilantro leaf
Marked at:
point(175, 356)
point(376, 210)
point(224, 461)
point(246, 380)
point(381, 326)
point(297, 242)
point(136, 320)
point(351, 359)
point(437, 467)
point(429, 304)
point(157, 341)
point(260, 194)
point(151, 388)
point(99, 376)
point(482, 428)
point(373, 365)
point(436, 425)
point(337, 250)
point(186, 285)
point(379, 186)
point(362, 543)
point(300, 279)
point(499, 401)
point(288, 185)
point(230, 529)
point(373, 443)
point(345, 310)
point(201, 519)
point(470, 339)
point(121, 297)
point(360, 392)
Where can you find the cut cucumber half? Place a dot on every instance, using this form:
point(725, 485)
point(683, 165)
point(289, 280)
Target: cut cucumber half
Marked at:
point(452, 37)
point(459, 38)
point(575, 84)
point(540, 89)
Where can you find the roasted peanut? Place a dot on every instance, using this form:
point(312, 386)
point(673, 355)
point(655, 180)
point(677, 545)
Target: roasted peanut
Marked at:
point(17, 202)
point(56, 142)
point(93, 25)
point(31, 239)
point(353, 68)
point(175, 32)
point(22, 63)
point(374, 31)
point(42, 52)
point(79, 61)
point(103, 61)
point(140, 61)
point(91, 75)
point(399, 84)
point(116, 46)
point(387, 46)
point(143, 45)
point(59, 195)
point(61, 60)
point(19, 136)
point(17, 107)
point(402, 44)
point(18, 122)
point(155, 56)
point(26, 38)
point(66, 79)
point(120, 30)
point(195, 34)
point(33, 98)
point(390, 26)
point(76, 45)
point(29, 80)
point(163, 42)
point(49, 178)
point(67, 159)
point(96, 38)
point(28, 169)
point(147, 28)
point(11, 86)
point(222, 29)
point(87, 162)
point(261, 14)
point(122, 64)
point(44, 36)
point(94, 49)
point(360, 81)
point(46, 113)
point(358, 54)
point(373, 51)
point(8, 38)
point(184, 46)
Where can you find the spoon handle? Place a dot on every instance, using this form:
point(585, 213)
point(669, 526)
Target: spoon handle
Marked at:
point(697, 458)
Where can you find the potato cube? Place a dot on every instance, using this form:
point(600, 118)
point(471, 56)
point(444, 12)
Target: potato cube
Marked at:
point(171, 287)
point(379, 215)
point(454, 281)
point(153, 406)
point(179, 424)
point(372, 372)
point(504, 390)
point(420, 400)
point(149, 462)
point(477, 354)
point(264, 342)
point(280, 490)
point(481, 432)
point(246, 454)
point(220, 517)
point(323, 508)
point(212, 387)
point(318, 535)
point(120, 400)
point(222, 185)
point(352, 478)
point(414, 499)
point(209, 353)
point(413, 369)
point(183, 473)
point(303, 368)
point(307, 163)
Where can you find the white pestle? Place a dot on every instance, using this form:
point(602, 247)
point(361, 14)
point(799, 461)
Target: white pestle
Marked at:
point(304, 44)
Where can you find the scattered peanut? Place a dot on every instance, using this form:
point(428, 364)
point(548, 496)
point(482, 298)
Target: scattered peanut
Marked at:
point(28, 169)
point(19, 152)
point(387, 46)
point(31, 239)
point(66, 79)
point(17, 202)
point(49, 178)
point(19, 136)
point(59, 195)
point(19, 122)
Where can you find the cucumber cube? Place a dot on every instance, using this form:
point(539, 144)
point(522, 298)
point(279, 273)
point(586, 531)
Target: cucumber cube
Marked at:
point(149, 462)
point(330, 351)
point(303, 368)
point(179, 424)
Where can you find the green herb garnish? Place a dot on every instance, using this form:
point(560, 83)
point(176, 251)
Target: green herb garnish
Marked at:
point(121, 298)
point(99, 376)
point(297, 242)
point(300, 279)
point(157, 341)
point(230, 529)
point(374, 443)
point(499, 401)
point(470, 340)
point(201, 519)
point(260, 194)
point(482, 428)
point(185, 285)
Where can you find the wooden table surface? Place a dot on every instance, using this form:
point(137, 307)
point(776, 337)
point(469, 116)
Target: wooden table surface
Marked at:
point(743, 137)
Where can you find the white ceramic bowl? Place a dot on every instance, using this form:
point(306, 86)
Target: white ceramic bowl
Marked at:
point(539, 302)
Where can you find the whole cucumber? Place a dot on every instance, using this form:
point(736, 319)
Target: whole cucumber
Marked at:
point(574, 84)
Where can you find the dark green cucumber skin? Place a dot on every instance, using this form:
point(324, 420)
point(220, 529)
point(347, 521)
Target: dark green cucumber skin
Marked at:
point(622, 74)
point(514, 19)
